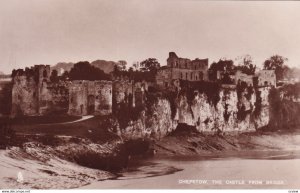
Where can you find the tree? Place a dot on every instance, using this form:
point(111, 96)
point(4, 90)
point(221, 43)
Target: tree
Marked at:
point(150, 64)
point(131, 73)
point(85, 71)
point(225, 66)
point(276, 63)
point(65, 76)
point(136, 65)
point(122, 65)
point(54, 76)
point(245, 64)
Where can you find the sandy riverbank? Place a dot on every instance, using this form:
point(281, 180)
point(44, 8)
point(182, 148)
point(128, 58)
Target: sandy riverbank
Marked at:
point(37, 166)
point(193, 143)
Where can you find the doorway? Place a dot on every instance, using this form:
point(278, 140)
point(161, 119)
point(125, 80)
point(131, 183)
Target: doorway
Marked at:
point(91, 105)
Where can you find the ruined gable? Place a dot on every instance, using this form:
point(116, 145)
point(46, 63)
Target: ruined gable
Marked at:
point(183, 69)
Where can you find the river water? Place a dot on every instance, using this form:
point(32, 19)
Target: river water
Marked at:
point(236, 170)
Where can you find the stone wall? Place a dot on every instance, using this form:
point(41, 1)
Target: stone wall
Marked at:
point(266, 78)
point(90, 97)
point(33, 94)
point(186, 69)
point(5, 97)
point(241, 77)
point(54, 98)
point(189, 74)
point(24, 96)
point(163, 77)
point(103, 101)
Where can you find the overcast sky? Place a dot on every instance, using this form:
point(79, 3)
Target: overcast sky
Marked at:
point(51, 31)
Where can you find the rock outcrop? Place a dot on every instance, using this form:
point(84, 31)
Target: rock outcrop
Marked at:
point(236, 111)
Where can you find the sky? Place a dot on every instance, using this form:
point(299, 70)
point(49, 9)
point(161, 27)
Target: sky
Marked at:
point(52, 31)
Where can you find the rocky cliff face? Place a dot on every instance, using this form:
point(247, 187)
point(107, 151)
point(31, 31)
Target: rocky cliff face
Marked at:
point(154, 122)
point(231, 113)
point(243, 111)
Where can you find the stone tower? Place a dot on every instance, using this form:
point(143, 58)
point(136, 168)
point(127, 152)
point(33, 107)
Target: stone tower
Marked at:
point(29, 90)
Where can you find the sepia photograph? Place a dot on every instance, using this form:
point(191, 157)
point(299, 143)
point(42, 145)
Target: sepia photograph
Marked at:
point(149, 94)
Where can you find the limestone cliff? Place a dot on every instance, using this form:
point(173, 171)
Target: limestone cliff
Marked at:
point(235, 111)
point(153, 122)
point(231, 113)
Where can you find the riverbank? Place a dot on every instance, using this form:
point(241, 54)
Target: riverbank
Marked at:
point(262, 170)
point(34, 165)
point(260, 160)
point(189, 142)
point(67, 162)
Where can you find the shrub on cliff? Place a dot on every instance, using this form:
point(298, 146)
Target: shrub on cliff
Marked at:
point(284, 112)
point(211, 89)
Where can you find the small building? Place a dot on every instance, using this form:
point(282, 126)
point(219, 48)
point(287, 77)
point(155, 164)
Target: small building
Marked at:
point(266, 78)
point(242, 77)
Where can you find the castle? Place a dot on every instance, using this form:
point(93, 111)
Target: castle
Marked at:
point(33, 93)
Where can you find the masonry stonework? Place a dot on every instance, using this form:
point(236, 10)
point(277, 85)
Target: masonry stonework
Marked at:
point(182, 68)
point(266, 78)
point(90, 97)
point(242, 77)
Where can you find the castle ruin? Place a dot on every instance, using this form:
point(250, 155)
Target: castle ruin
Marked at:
point(33, 94)
point(182, 68)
